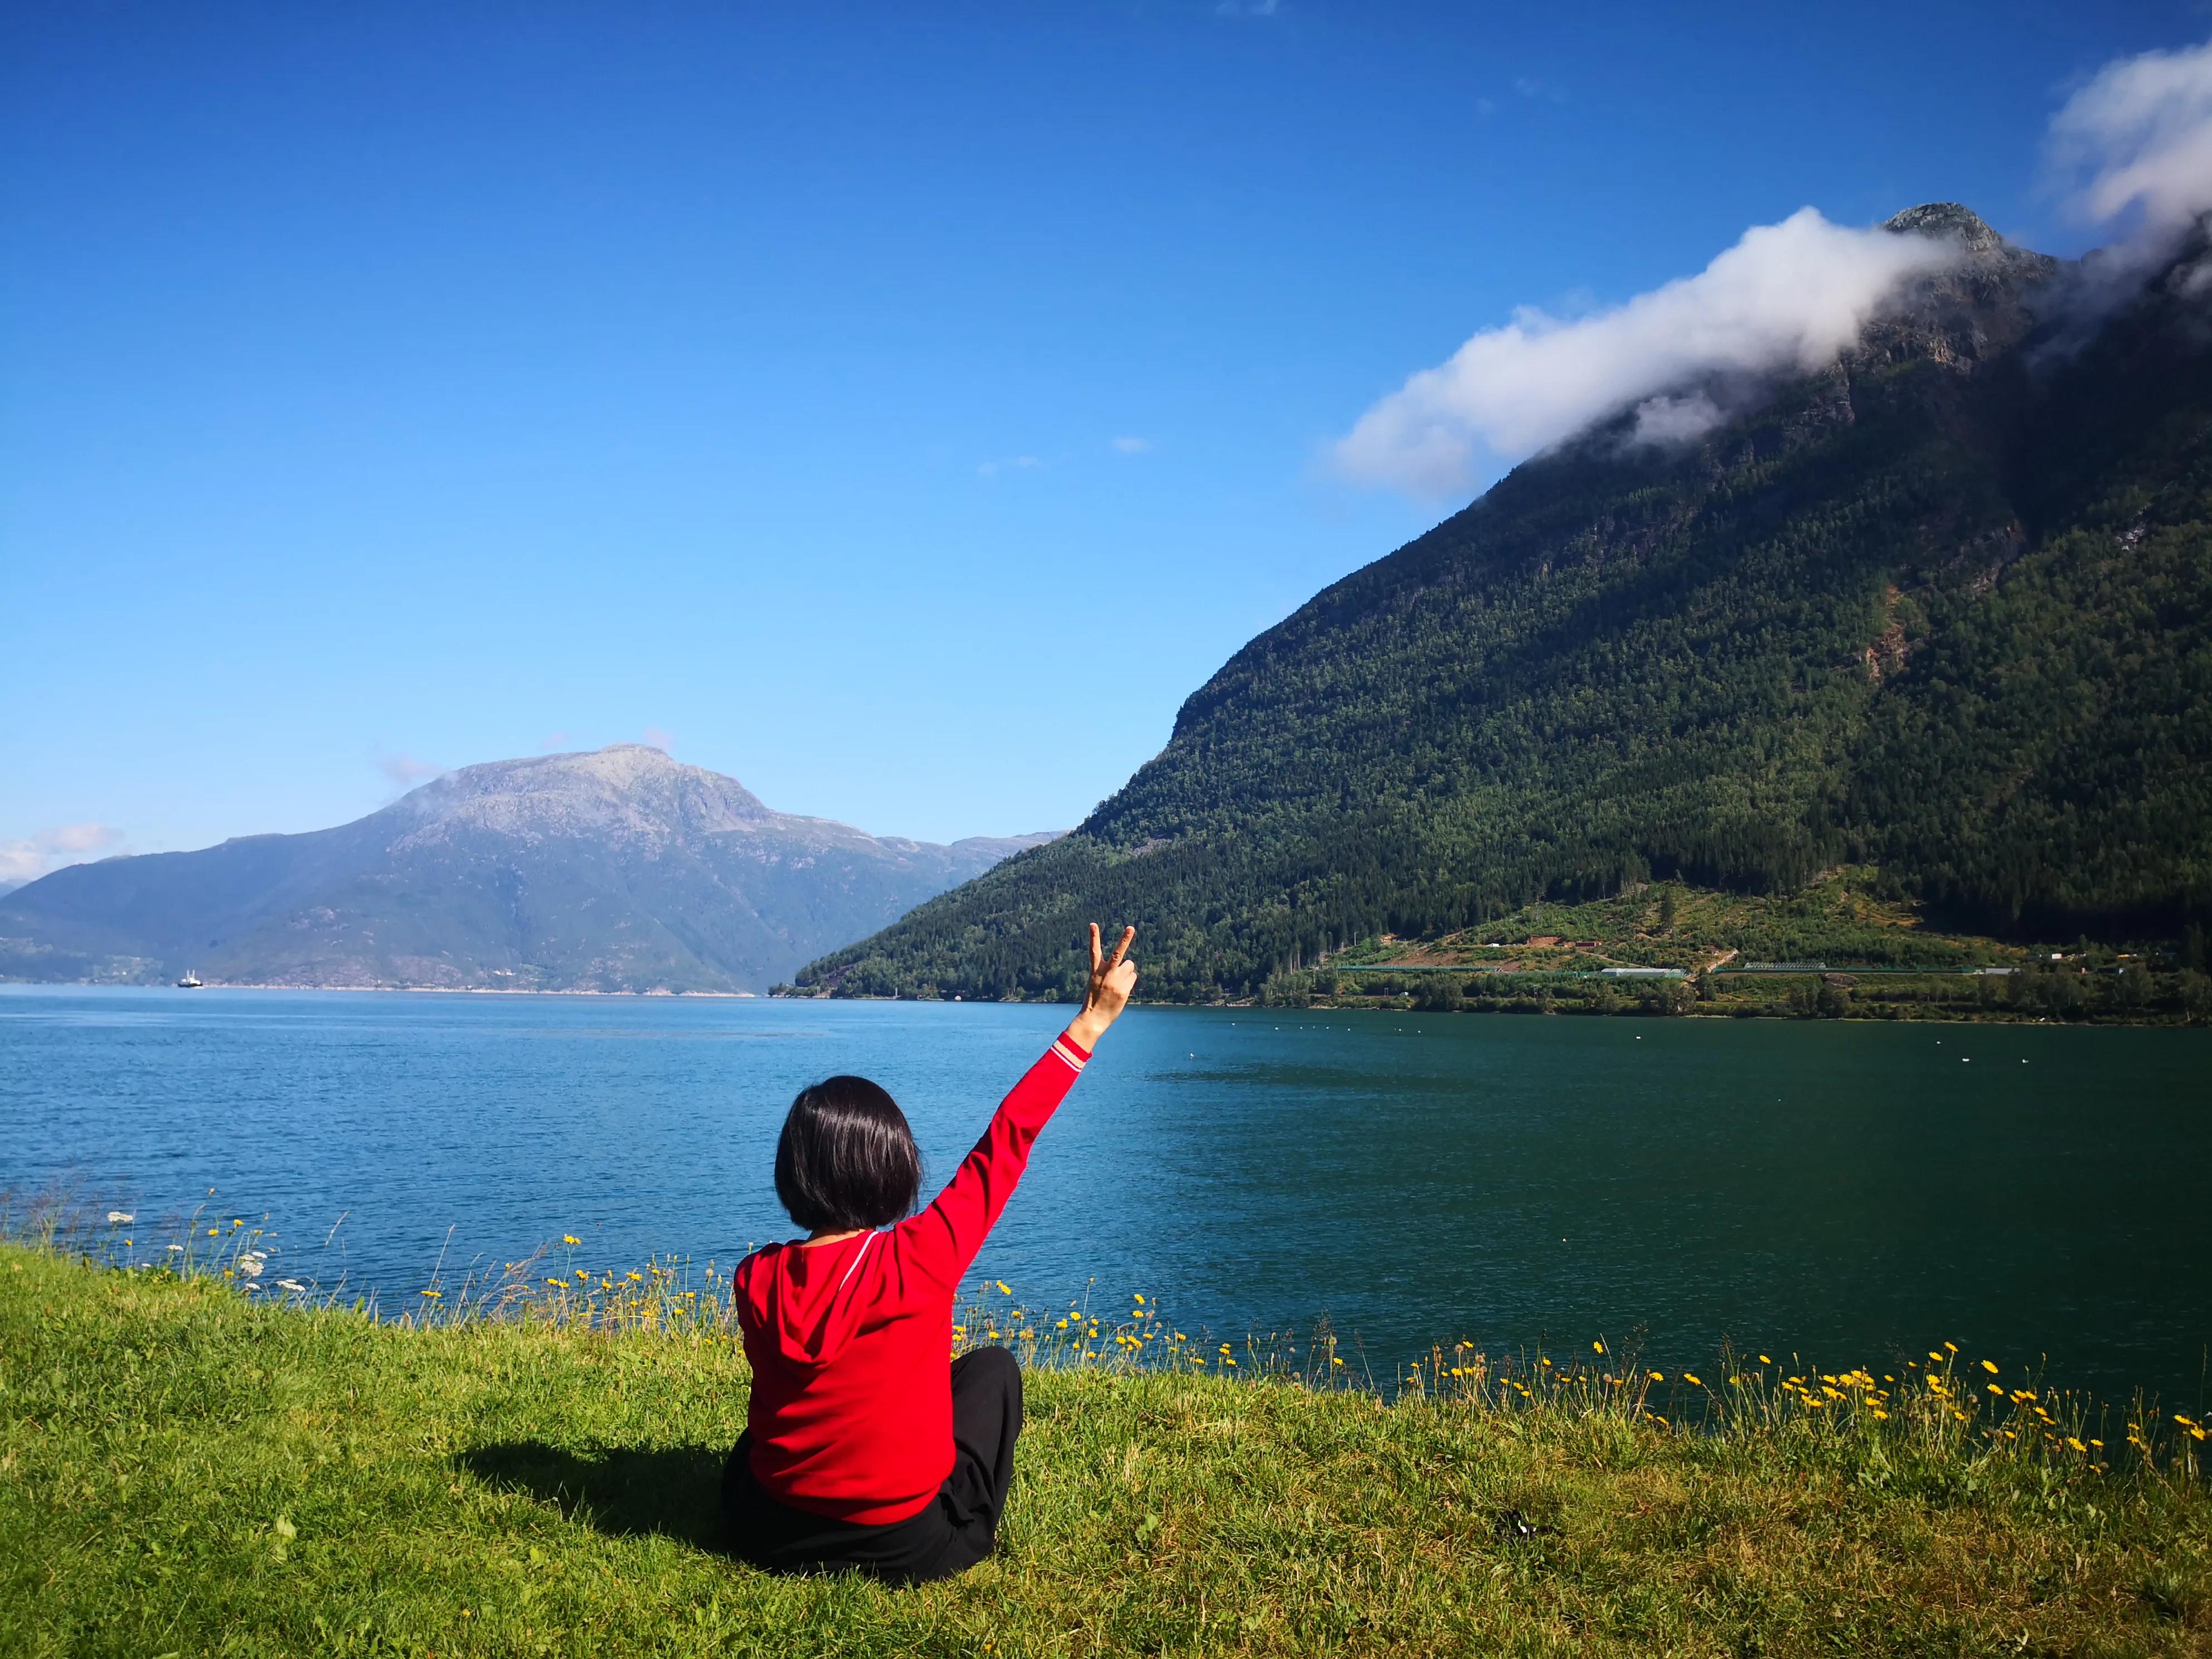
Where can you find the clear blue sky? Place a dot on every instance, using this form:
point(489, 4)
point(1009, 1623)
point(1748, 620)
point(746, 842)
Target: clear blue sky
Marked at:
point(435, 383)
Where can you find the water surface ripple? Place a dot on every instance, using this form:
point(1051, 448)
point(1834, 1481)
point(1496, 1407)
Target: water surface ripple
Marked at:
point(1847, 1191)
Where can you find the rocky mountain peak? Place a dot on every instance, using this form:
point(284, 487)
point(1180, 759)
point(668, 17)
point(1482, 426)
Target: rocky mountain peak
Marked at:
point(1960, 223)
point(1970, 312)
point(623, 790)
point(616, 869)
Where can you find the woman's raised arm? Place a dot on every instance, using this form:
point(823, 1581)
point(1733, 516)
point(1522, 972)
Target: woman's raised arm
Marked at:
point(944, 1238)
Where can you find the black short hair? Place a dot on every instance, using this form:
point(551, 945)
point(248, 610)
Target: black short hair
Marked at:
point(845, 1158)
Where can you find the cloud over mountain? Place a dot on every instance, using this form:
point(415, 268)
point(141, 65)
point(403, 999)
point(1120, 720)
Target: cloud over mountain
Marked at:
point(2132, 149)
point(29, 858)
point(2136, 141)
point(1787, 297)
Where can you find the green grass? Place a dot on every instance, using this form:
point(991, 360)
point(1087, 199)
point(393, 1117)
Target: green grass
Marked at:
point(183, 1472)
point(1868, 939)
point(1843, 916)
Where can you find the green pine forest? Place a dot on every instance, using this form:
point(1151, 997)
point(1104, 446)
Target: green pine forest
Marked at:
point(1941, 613)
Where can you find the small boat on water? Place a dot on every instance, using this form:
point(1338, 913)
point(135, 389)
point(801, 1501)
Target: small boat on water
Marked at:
point(191, 982)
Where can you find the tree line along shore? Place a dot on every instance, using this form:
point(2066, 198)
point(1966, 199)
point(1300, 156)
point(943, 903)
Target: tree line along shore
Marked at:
point(1846, 944)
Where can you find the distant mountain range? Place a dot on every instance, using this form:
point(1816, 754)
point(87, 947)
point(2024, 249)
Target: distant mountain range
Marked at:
point(620, 869)
point(1944, 607)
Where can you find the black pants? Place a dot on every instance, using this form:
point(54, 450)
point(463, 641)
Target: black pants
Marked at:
point(953, 1533)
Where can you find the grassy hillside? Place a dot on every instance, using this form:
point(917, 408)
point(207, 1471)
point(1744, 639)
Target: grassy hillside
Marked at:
point(1936, 611)
point(182, 1473)
point(1839, 946)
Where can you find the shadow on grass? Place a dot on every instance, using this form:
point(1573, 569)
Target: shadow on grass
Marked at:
point(673, 1491)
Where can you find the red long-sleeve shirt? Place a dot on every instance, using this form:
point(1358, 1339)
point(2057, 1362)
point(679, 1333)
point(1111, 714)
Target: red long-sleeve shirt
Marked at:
point(851, 1402)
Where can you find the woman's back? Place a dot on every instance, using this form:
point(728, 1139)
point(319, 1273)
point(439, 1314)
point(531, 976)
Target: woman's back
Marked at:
point(851, 1403)
point(867, 1446)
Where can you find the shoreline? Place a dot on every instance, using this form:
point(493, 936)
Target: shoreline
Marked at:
point(2103, 1020)
point(409, 990)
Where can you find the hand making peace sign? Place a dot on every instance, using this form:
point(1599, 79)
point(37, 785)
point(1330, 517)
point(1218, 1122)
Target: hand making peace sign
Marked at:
point(1112, 979)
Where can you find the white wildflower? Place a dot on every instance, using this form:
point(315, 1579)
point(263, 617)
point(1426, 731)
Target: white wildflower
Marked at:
point(120, 1215)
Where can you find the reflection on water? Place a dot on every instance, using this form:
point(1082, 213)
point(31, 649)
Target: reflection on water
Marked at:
point(1845, 1190)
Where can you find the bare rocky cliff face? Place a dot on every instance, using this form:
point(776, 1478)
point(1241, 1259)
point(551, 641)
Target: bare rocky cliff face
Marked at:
point(617, 869)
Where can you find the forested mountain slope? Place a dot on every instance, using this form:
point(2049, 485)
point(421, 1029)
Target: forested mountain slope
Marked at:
point(1945, 608)
point(619, 870)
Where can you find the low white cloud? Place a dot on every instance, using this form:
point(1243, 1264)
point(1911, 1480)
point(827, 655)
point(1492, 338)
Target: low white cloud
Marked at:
point(1247, 7)
point(1666, 420)
point(558, 741)
point(2134, 146)
point(30, 857)
point(404, 772)
point(1132, 446)
point(1788, 296)
point(658, 737)
point(1013, 463)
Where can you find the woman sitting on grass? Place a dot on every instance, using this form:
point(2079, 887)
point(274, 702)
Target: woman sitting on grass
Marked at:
point(861, 1449)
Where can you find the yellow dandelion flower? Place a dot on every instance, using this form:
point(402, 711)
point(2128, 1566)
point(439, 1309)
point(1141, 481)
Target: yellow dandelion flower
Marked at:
point(570, 1238)
point(1764, 1360)
point(1005, 1289)
point(1989, 1367)
point(1658, 1376)
point(1597, 1347)
point(1692, 1380)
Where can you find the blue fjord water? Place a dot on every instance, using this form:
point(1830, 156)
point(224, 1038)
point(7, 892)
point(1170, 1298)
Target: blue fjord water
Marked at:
point(1846, 1191)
